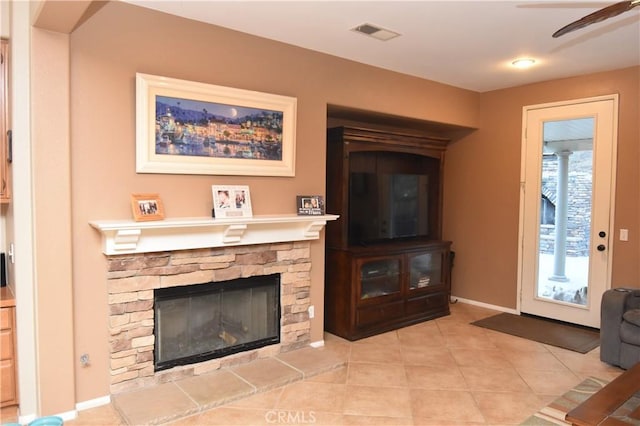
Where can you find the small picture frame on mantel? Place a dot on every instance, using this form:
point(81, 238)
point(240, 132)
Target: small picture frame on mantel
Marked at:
point(310, 205)
point(147, 207)
point(231, 201)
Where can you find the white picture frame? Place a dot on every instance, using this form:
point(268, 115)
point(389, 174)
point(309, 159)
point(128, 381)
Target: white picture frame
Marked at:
point(187, 127)
point(231, 201)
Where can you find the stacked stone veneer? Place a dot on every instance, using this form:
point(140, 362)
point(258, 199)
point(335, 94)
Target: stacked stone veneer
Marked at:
point(131, 280)
point(578, 203)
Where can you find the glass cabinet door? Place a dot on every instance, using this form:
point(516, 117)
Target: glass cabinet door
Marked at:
point(425, 270)
point(379, 277)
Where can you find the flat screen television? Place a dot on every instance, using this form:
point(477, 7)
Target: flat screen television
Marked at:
point(387, 206)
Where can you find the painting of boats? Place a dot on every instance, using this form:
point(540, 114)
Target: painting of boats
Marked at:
point(207, 129)
point(190, 127)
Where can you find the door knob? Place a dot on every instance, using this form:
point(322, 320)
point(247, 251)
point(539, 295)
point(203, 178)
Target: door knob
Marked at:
point(601, 247)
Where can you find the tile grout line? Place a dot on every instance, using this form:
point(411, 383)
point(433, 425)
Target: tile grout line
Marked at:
point(291, 366)
point(176, 383)
point(255, 388)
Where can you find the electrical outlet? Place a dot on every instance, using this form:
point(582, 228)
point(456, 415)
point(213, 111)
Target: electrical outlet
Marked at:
point(312, 311)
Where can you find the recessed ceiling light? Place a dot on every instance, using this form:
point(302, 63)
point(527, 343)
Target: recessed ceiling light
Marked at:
point(375, 32)
point(523, 63)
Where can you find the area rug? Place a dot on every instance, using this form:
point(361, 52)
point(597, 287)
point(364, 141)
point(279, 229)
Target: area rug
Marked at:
point(554, 413)
point(550, 332)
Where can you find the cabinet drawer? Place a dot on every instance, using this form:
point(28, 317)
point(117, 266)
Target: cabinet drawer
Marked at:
point(378, 314)
point(7, 376)
point(427, 303)
point(5, 319)
point(6, 345)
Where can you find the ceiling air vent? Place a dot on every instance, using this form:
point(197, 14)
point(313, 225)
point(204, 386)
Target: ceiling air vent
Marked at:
point(375, 32)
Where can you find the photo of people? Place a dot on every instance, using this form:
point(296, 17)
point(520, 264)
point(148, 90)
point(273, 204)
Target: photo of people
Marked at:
point(147, 207)
point(231, 201)
point(310, 205)
point(223, 200)
point(241, 199)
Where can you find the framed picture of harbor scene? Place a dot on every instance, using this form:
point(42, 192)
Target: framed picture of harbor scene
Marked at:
point(186, 127)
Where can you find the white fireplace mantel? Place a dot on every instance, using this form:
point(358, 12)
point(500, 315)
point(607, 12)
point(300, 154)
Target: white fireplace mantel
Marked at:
point(126, 237)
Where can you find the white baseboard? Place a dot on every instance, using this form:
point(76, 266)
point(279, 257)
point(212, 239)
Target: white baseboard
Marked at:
point(68, 415)
point(485, 305)
point(318, 344)
point(73, 414)
point(93, 403)
point(26, 419)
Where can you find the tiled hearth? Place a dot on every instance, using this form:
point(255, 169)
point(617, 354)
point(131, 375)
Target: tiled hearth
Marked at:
point(131, 280)
point(197, 394)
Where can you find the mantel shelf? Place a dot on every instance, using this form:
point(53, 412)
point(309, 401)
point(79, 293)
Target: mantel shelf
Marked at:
point(126, 237)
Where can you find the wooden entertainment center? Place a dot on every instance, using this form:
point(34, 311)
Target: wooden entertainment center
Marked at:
point(386, 265)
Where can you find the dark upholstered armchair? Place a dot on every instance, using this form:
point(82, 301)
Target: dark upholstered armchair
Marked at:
point(620, 327)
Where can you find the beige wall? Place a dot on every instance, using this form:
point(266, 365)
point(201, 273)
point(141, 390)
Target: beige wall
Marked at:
point(51, 186)
point(482, 185)
point(105, 52)
point(121, 40)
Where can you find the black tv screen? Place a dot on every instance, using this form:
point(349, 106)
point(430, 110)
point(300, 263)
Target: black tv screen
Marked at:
point(387, 206)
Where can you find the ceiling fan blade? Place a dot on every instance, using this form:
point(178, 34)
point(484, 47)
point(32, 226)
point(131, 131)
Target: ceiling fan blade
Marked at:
point(597, 16)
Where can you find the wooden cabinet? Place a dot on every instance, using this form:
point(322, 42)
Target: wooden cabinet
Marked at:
point(379, 288)
point(8, 393)
point(386, 265)
point(5, 184)
point(361, 153)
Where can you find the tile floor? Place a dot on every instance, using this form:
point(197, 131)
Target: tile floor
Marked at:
point(440, 372)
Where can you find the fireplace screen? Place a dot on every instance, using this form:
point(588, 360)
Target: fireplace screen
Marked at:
point(205, 321)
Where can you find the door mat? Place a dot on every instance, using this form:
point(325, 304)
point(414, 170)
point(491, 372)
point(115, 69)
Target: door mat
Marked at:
point(573, 337)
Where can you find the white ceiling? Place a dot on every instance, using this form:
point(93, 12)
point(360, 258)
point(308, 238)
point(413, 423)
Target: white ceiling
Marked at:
point(468, 44)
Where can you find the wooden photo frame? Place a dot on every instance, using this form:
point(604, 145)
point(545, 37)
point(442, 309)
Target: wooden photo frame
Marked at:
point(187, 127)
point(147, 207)
point(231, 201)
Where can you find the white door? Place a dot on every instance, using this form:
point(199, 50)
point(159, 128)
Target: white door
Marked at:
point(566, 208)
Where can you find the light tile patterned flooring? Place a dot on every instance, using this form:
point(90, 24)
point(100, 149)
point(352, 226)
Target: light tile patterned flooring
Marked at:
point(441, 372)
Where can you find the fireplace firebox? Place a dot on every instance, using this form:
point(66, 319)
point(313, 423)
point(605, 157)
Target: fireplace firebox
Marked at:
point(199, 322)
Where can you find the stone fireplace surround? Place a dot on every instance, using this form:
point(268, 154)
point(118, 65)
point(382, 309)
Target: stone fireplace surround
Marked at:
point(133, 275)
